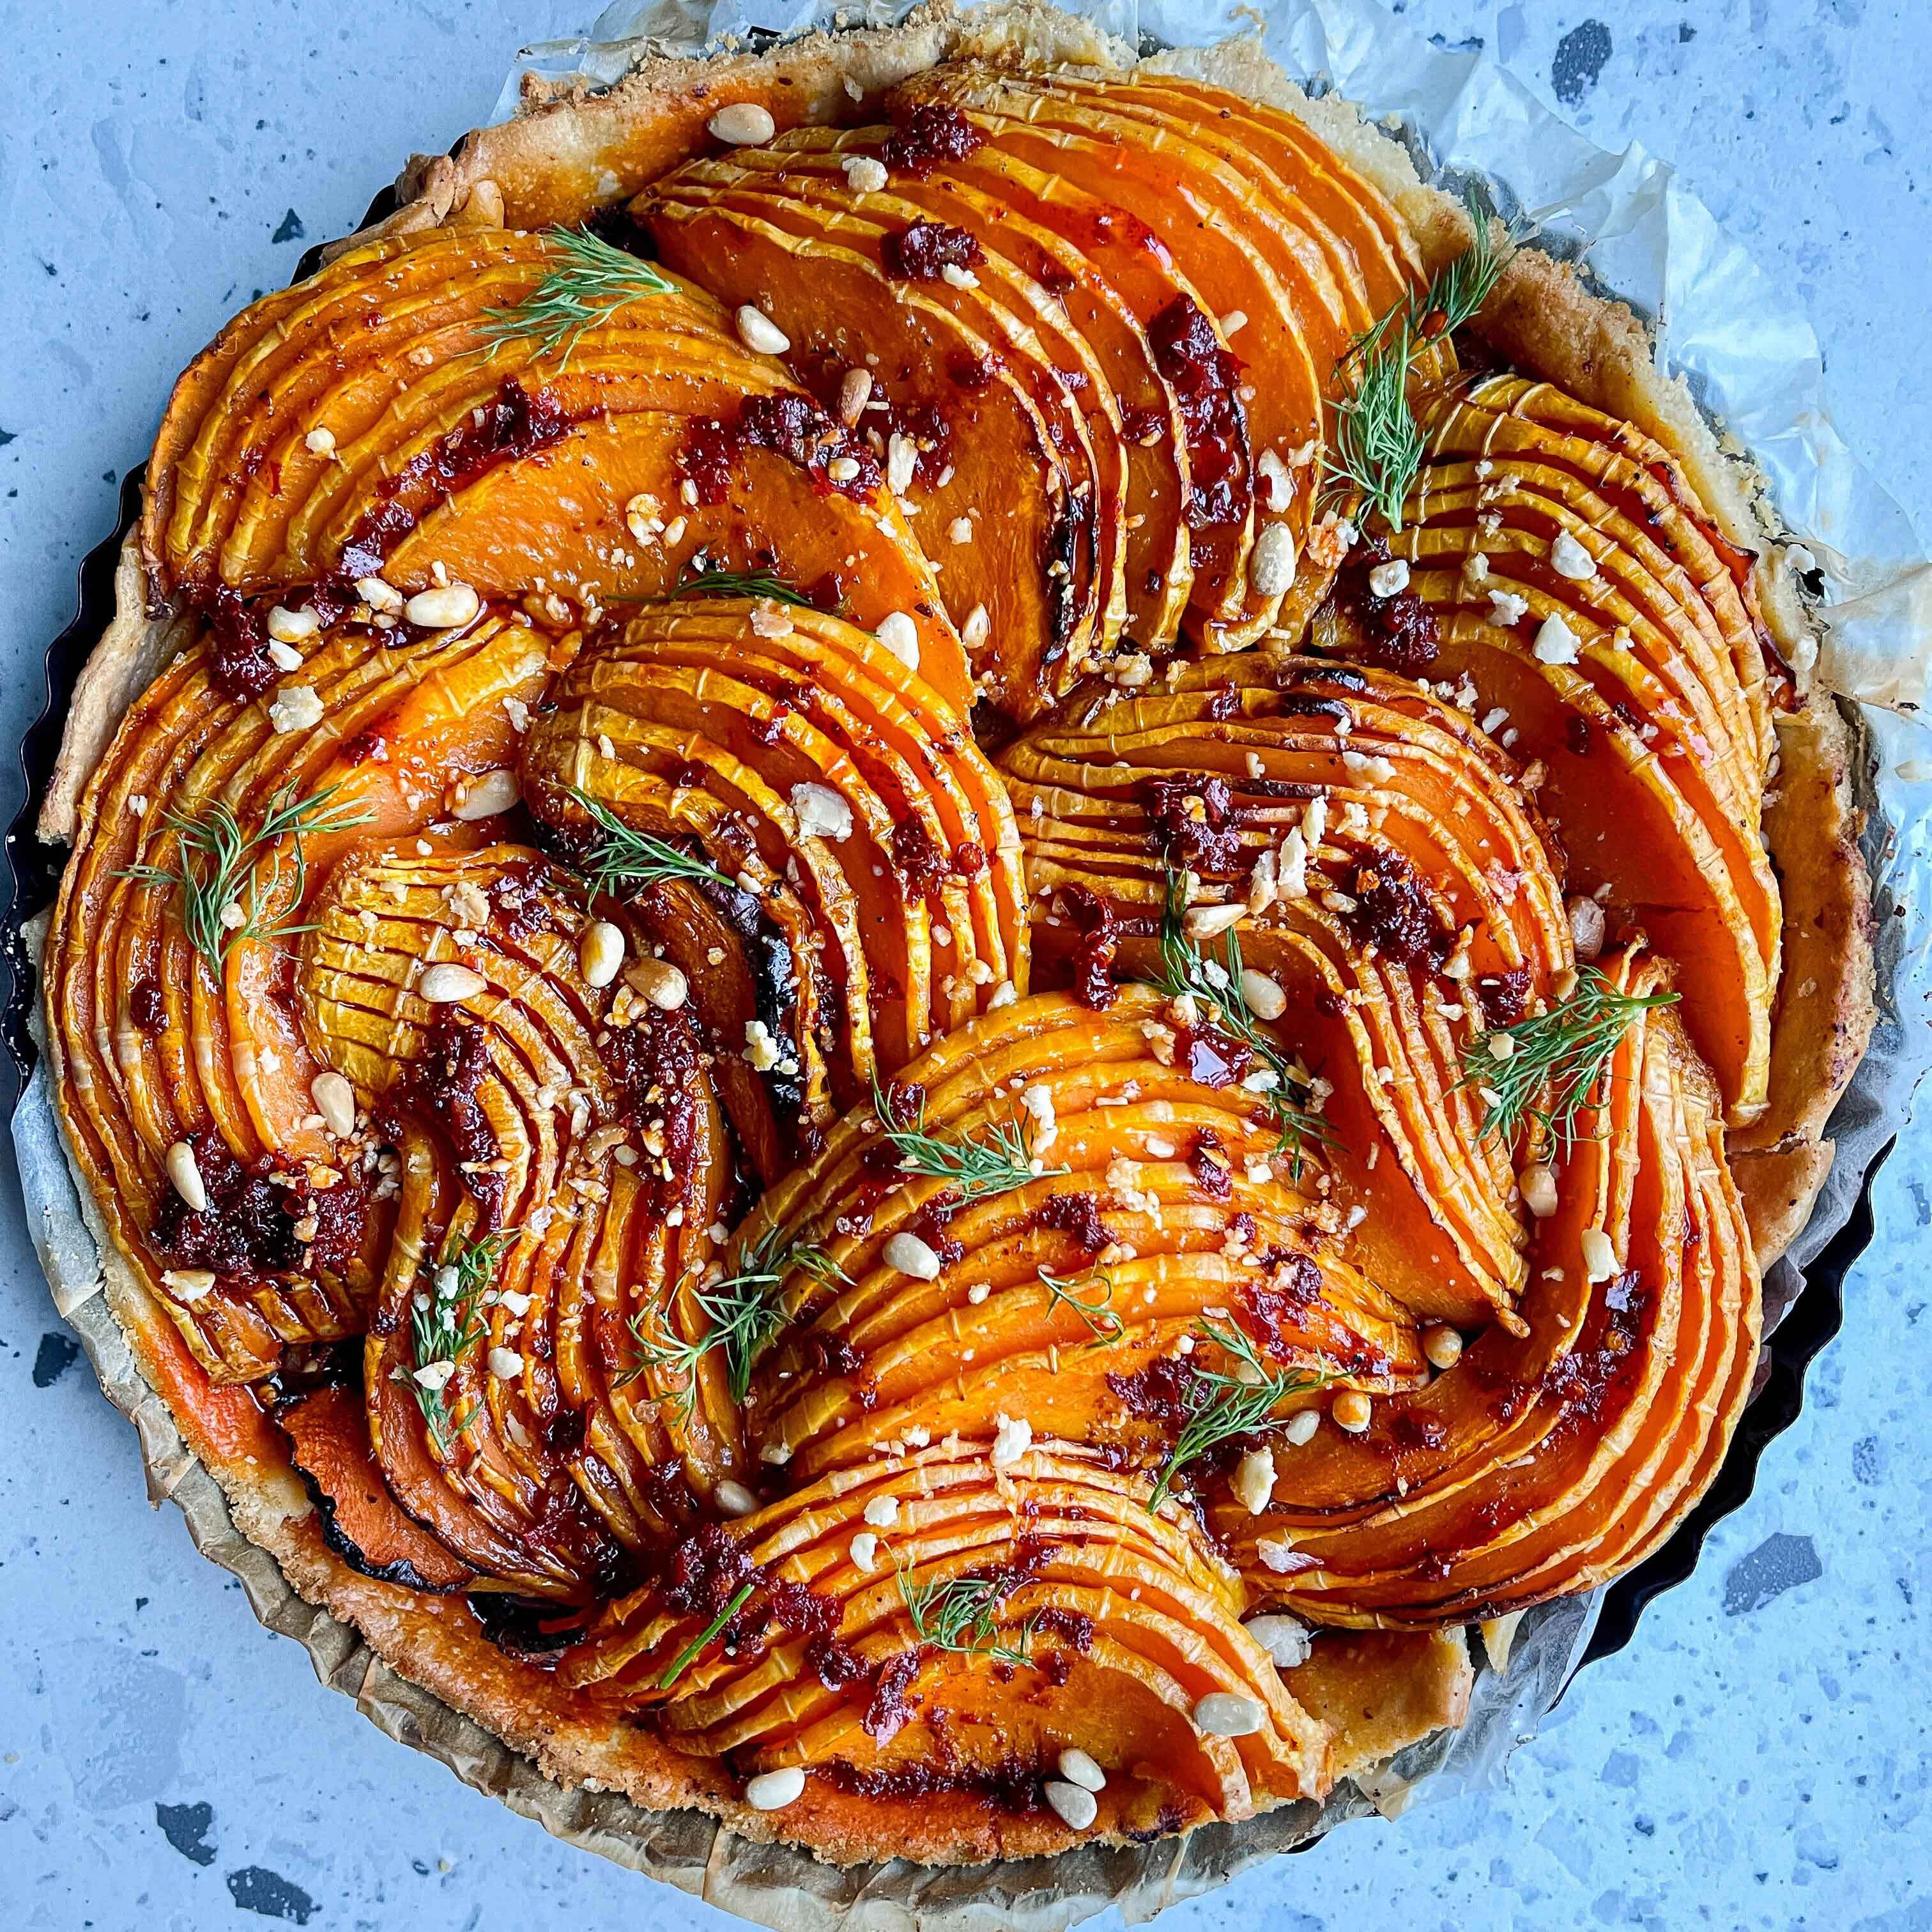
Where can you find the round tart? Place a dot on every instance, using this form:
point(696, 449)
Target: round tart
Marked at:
point(948, 924)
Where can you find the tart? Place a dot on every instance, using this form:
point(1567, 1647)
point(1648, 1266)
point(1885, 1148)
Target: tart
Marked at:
point(947, 923)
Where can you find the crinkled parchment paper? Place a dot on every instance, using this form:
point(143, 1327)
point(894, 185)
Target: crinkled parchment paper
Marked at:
point(1754, 363)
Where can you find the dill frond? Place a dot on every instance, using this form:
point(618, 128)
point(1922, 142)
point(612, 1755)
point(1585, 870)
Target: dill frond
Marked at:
point(1227, 1406)
point(976, 1169)
point(743, 583)
point(1377, 441)
point(743, 1315)
point(1102, 1323)
point(623, 857)
point(591, 282)
point(446, 1325)
point(1379, 444)
point(223, 898)
point(1557, 1061)
point(961, 1614)
point(694, 1648)
point(1215, 986)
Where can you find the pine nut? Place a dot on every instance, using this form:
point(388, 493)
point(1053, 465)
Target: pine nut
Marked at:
point(773, 1790)
point(911, 1256)
point(442, 607)
point(1227, 1714)
point(733, 1498)
point(186, 1175)
point(335, 1101)
point(742, 124)
point(491, 792)
point(900, 636)
point(661, 983)
point(1442, 1345)
point(600, 954)
point(1350, 1410)
point(1263, 995)
point(444, 985)
point(1077, 1767)
point(1077, 1807)
point(759, 333)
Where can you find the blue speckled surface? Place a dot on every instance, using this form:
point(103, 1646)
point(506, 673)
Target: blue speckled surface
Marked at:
point(1758, 1759)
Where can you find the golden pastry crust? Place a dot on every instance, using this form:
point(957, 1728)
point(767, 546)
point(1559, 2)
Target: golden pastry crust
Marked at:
point(568, 154)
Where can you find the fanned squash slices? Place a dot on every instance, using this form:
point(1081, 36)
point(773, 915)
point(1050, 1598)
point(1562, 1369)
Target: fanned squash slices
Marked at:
point(1119, 1623)
point(975, 421)
point(1564, 1450)
point(836, 791)
point(915, 992)
point(1381, 867)
point(165, 1049)
point(1159, 1201)
point(1095, 347)
point(408, 416)
point(1235, 227)
point(1597, 617)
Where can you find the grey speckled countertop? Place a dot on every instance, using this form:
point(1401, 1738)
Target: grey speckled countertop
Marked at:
point(1758, 1759)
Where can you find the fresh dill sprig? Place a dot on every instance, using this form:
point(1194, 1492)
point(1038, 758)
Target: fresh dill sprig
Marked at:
point(1102, 1323)
point(1379, 444)
point(1215, 986)
point(1559, 1058)
point(591, 281)
point(223, 898)
point(961, 1614)
point(694, 1648)
point(742, 1315)
point(974, 1169)
point(1224, 1405)
point(1378, 441)
point(446, 1324)
point(623, 857)
point(743, 583)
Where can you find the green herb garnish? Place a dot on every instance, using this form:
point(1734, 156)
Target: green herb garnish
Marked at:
point(623, 857)
point(1215, 986)
point(223, 899)
point(743, 583)
point(1565, 1053)
point(690, 1653)
point(1379, 444)
point(960, 1614)
point(445, 1325)
point(1098, 1314)
point(974, 1169)
point(591, 281)
point(742, 1315)
point(1223, 1406)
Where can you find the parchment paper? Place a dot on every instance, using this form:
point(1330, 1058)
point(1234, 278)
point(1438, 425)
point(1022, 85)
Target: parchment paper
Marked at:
point(1754, 363)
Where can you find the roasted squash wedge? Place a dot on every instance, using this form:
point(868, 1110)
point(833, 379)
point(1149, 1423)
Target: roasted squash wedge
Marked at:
point(411, 415)
point(837, 797)
point(856, 1654)
point(1368, 844)
point(167, 967)
point(1559, 569)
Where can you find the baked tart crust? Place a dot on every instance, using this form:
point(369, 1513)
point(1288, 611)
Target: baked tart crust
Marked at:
point(972, 1389)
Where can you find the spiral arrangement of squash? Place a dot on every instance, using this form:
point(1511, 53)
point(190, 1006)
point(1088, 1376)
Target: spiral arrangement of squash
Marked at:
point(231, 1169)
point(825, 1638)
point(1390, 887)
point(888, 1010)
point(838, 796)
point(1013, 283)
point(943, 1305)
point(426, 412)
point(1608, 631)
